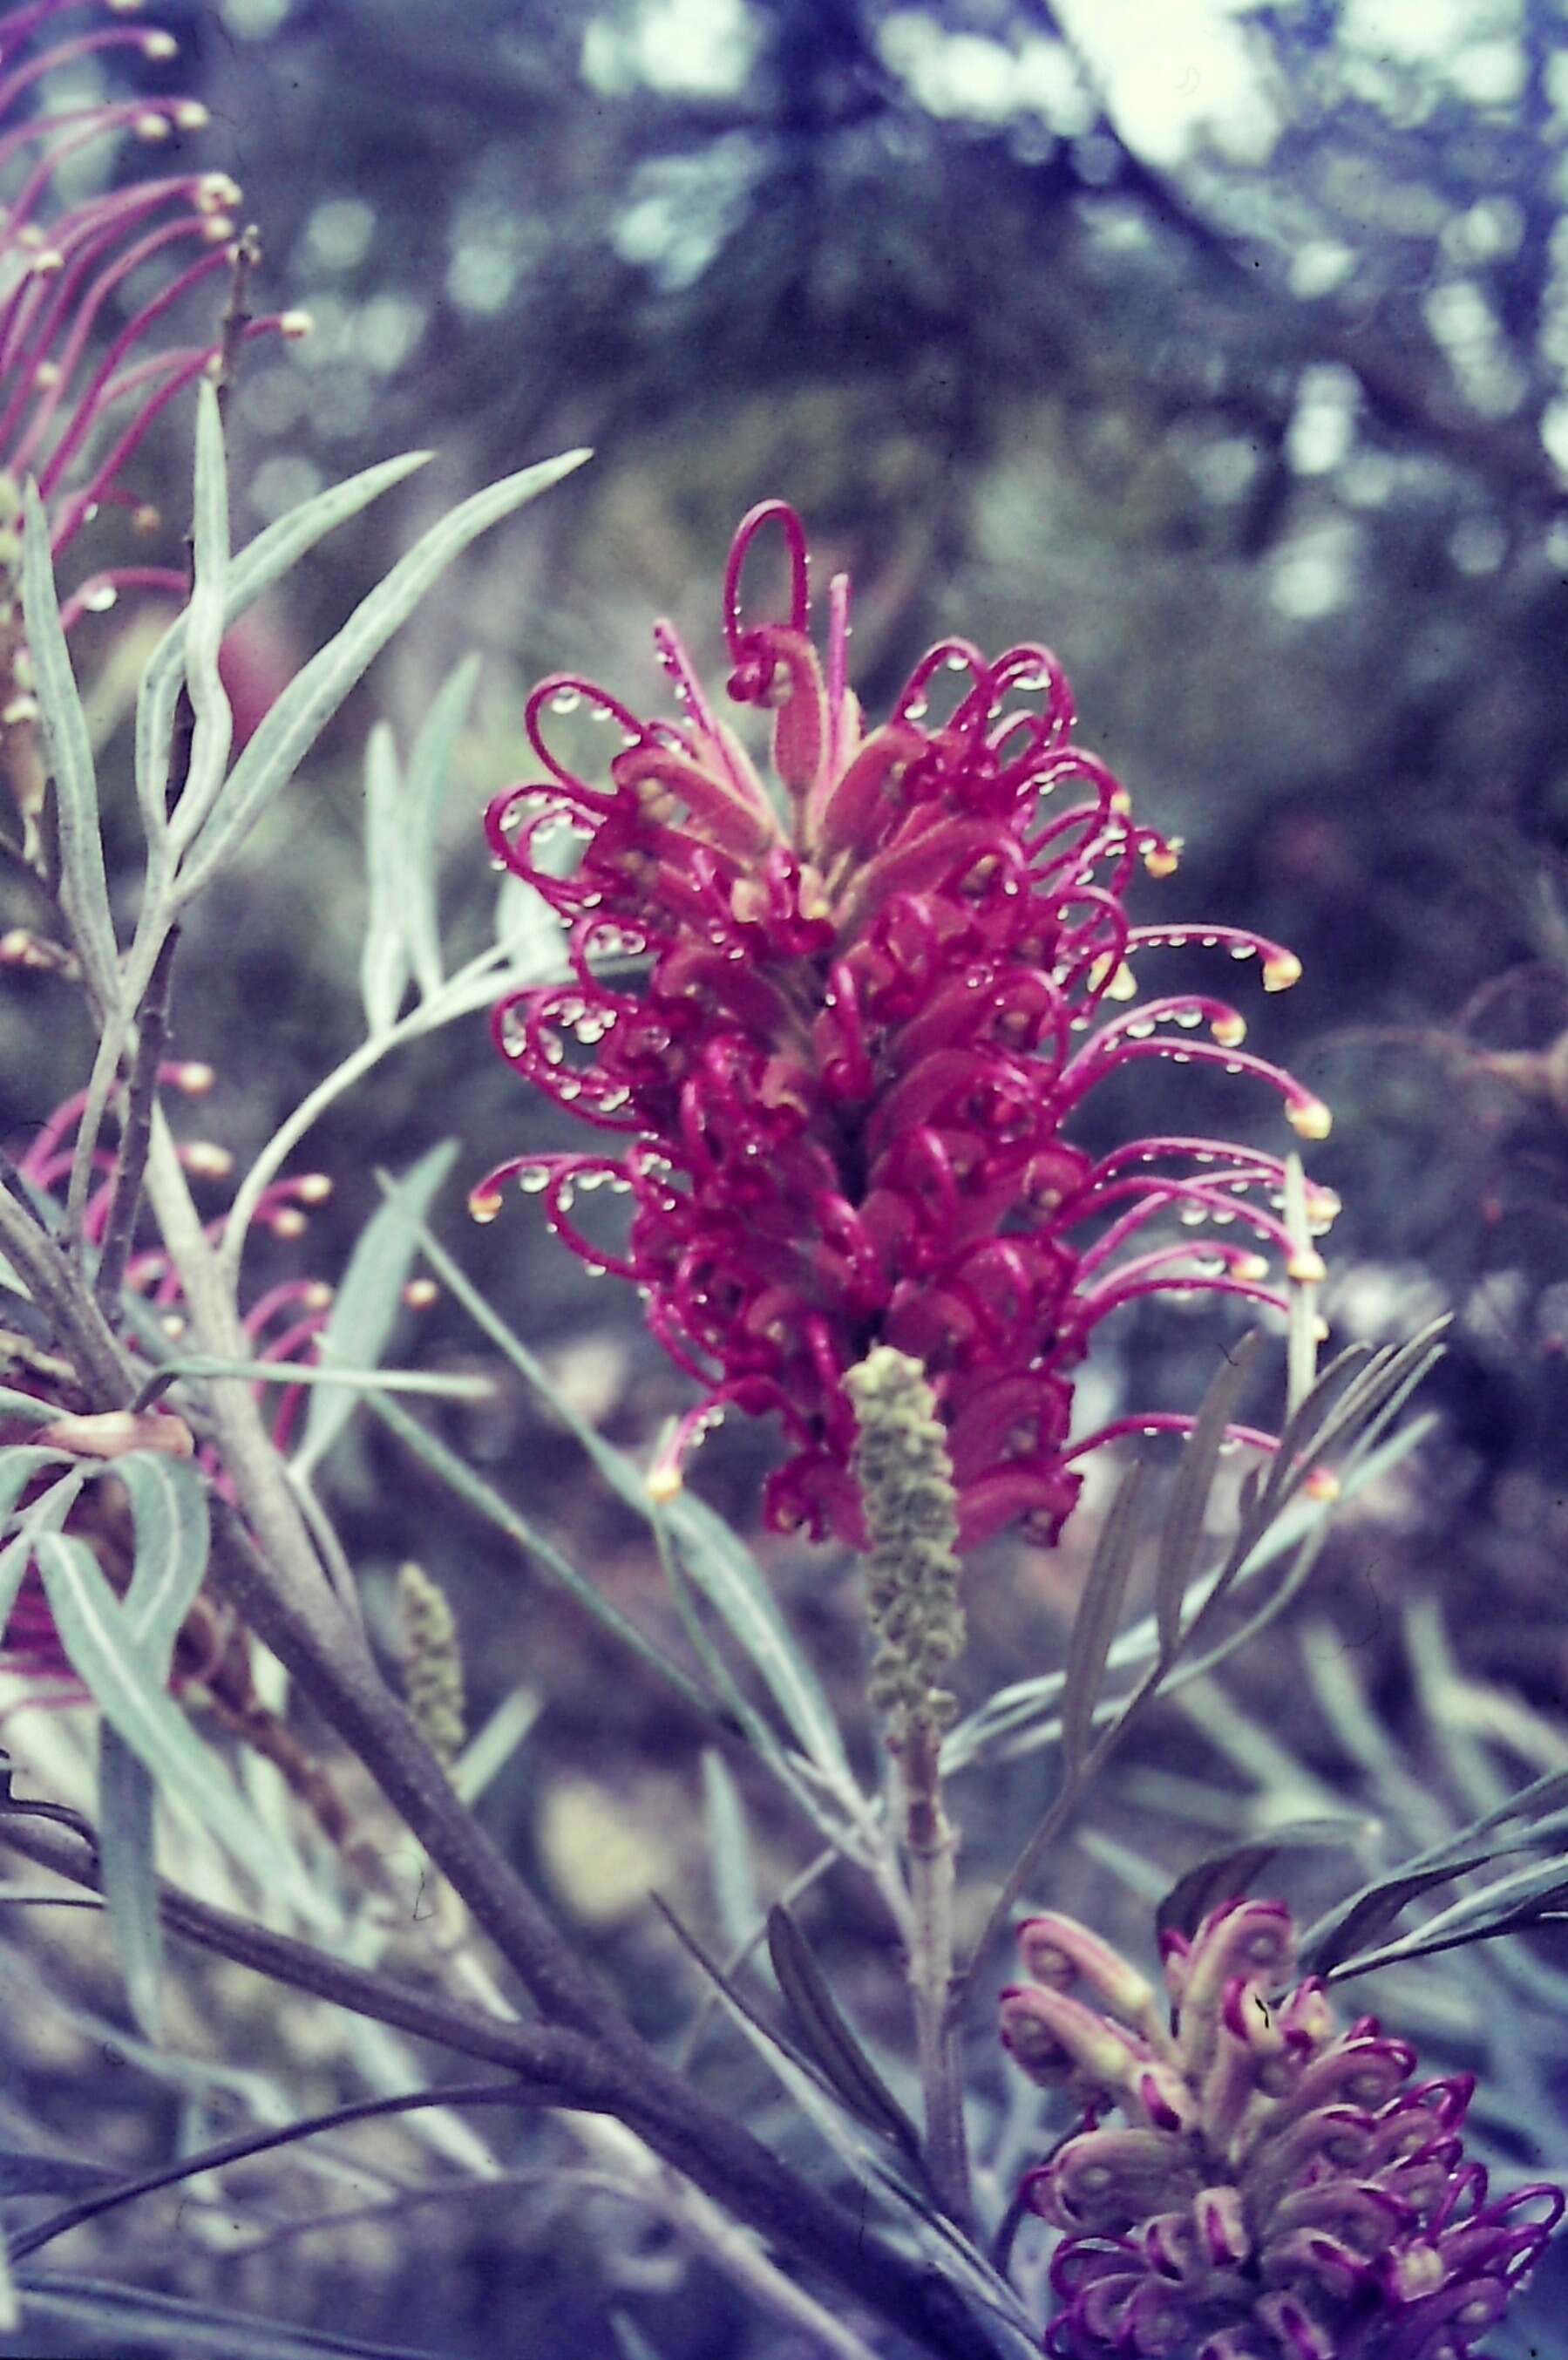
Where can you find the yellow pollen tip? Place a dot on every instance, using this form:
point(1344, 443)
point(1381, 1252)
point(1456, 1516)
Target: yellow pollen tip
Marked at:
point(1282, 971)
point(289, 1222)
point(1320, 1331)
point(207, 1160)
point(1161, 860)
point(173, 1326)
point(145, 519)
point(1321, 1484)
point(483, 1205)
point(1306, 1268)
point(151, 127)
point(317, 1295)
point(315, 1188)
point(159, 45)
point(421, 1293)
point(217, 193)
point(193, 1079)
point(664, 1484)
point(1121, 803)
point(191, 115)
point(1230, 1032)
point(1251, 1268)
point(1114, 980)
point(1309, 1119)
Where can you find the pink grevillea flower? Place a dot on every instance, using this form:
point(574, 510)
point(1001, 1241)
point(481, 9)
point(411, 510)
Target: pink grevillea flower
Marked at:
point(82, 375)
point(1277, 2189)
point(878, 988)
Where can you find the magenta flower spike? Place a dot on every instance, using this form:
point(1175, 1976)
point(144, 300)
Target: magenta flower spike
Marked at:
point(878, 985)
point(83, 376)
point(1277, 2189)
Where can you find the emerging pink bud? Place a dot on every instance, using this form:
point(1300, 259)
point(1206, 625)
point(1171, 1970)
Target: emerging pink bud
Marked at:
point(1277, 2192)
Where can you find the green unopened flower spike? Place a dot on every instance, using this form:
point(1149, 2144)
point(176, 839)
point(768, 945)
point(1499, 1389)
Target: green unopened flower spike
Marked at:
point(911, 1503)
point(432, 1664)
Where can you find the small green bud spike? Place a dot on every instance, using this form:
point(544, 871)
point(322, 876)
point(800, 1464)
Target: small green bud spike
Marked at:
point(910, 1505)
point(432, 1663)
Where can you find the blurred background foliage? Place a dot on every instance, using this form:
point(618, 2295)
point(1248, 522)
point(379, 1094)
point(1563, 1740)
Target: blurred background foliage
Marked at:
point(1225, 347)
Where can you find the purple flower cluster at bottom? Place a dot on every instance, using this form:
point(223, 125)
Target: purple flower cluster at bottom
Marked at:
point(1276, 2187)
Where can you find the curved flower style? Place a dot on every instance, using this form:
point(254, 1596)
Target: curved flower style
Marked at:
point(1277, 2192)
point(65, 266)
point(873, 999)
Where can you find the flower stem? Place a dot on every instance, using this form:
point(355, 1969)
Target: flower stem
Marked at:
point(932, 1847)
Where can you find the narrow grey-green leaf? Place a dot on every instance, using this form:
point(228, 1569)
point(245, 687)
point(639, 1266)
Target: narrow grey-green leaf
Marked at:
point(730, 1867)
point(267, 559)
point(1542, 1794)
point(83, 886)
point(716, 1558)
point(291, 725)
point(1527, 1896)
point(364, 1310)
point(1226, 1876)
point(170, 1524)
point(634, 2344)
point(44, 1514)
point(26, 1405)
point(798, 2072)
point(28, 2171)
point(429, 770)
point(123, 2320)
point(539, 1551)
point(1095, 1623)
point(825, 2032)
point(529, 931)
point(213, 731)
point(489, 1750)
point(90, 1623)
point(1182, 1530)
point(383, 958)
point(19, 1466)
point(1359, 1920)
point(730, 1578)
point(128, 1802)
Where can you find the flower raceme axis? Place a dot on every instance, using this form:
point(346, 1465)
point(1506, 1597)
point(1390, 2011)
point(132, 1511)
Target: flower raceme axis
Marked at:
point(871, 992)
point(1278, 2189)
